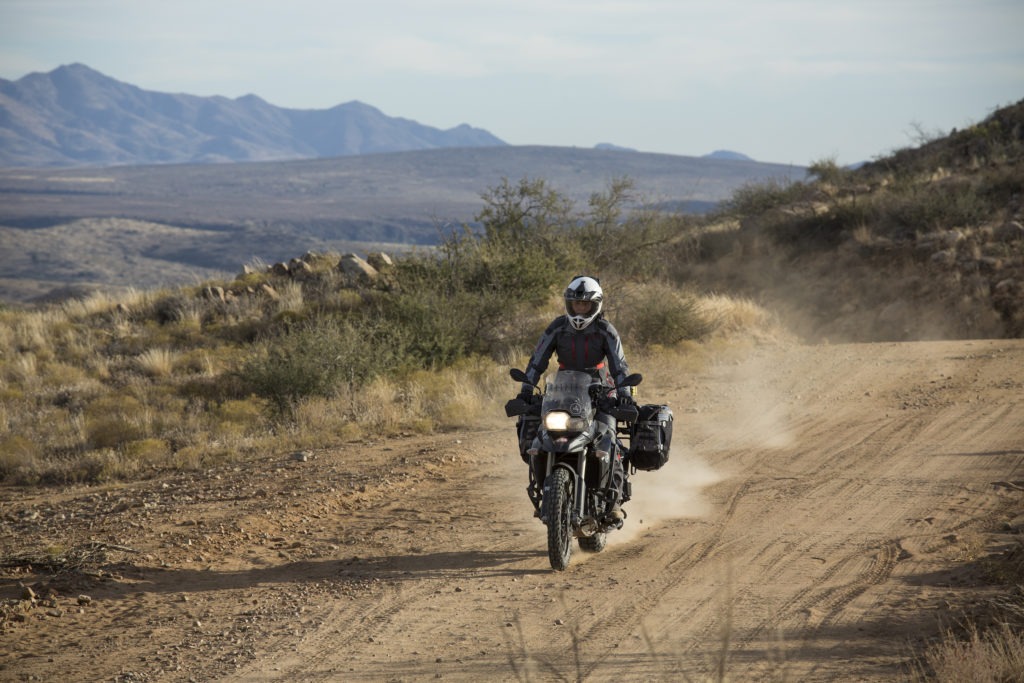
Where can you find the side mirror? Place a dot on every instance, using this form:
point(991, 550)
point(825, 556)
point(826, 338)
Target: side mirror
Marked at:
point(518, 375)
point(633, 380)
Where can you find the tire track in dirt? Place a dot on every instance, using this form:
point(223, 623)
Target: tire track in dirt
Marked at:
point(805, 539)
point(843, 477)
point(842, 472)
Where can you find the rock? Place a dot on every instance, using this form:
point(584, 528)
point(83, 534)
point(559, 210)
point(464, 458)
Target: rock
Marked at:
point(214, 294)
point(357, 269)
point(300, 270)
point(280, 269)
point(1009, 232)
point(301, 456)
point(379, 260)
point(1008, 285)
point(84, 600)
point(944, 239)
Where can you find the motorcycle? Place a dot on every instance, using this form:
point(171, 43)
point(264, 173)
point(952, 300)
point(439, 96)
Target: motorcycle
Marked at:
point(570, 454)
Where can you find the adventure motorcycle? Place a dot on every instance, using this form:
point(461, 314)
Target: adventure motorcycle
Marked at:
point(570, 455)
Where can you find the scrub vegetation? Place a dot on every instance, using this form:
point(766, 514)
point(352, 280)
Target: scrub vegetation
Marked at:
point(123, 387)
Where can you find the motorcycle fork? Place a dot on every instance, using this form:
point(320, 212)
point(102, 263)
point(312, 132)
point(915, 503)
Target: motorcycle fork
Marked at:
point(580, 492)
point(581, 488)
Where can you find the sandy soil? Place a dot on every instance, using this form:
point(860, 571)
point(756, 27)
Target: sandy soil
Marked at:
point(811, 525)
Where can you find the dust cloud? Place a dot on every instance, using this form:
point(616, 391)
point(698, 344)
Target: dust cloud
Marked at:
point(673, 492)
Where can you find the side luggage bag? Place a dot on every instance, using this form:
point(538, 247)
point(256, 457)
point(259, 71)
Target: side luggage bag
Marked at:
point(650, 437)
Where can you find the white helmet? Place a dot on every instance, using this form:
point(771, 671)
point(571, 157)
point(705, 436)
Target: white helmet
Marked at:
point(583, 288)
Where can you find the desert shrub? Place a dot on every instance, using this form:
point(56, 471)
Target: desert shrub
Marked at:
point(433, 329)
point(999, 186)
point(147, 452)
point(113, 420)
point(18, 455)
point(619, 236)
point(240, 412)
point(991, 656)
point(925, 208)
point(756, 198)
point(456, 301)
point(316, 358)
point(660, 314)
point(171, 308)
point(521, 247)
point(828, 171)
point(819, 231)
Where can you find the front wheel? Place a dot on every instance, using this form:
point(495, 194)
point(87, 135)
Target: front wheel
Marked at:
point(558, 513)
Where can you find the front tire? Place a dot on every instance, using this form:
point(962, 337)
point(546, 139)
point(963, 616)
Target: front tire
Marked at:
point(558, 513)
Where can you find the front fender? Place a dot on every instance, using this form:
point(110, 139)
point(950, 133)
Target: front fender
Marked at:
point(566, 466)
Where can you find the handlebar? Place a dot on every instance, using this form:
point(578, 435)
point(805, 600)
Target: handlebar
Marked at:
point(626, 413)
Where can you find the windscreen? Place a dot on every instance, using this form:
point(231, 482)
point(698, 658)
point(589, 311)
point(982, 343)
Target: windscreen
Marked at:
point(568, 390)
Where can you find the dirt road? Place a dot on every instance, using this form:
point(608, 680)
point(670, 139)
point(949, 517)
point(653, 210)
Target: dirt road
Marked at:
point(811, 525)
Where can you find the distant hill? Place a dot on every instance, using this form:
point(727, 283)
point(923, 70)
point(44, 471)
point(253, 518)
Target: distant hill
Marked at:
point(75, 116)
point(147, 226)
point(727, 154)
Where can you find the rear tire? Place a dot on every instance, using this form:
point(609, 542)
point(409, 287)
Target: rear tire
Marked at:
point(595, 543)
point(558, 513)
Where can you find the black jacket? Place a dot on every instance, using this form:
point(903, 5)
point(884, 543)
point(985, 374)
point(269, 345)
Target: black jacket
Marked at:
point(585, 350)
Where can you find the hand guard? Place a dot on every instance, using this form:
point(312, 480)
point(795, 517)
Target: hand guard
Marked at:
point(520, 405)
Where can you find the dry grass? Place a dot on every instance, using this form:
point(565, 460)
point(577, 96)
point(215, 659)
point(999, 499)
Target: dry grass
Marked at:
point(993, 656)
point(114, 387)
point(157, 362)
point(742, 317)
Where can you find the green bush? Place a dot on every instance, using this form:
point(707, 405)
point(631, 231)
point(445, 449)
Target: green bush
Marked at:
point(313, 359)
point(662, 315)
point(756, 198)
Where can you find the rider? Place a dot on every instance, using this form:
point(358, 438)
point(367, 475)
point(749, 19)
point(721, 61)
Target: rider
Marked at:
point(584, 340)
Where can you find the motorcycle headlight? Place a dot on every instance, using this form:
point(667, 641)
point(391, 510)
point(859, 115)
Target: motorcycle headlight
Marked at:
point(560, 421)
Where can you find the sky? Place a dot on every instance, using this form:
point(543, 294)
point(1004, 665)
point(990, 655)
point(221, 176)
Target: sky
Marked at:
point(792, 81)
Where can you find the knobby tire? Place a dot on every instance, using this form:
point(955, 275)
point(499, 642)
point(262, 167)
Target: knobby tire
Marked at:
point(595, 543)
point(559, 517)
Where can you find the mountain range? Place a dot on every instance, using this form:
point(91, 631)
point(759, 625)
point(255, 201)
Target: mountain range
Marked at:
point(77, 116)
point(104, 184)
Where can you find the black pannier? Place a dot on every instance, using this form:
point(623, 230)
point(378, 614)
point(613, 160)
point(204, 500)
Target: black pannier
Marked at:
point(650, 437)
